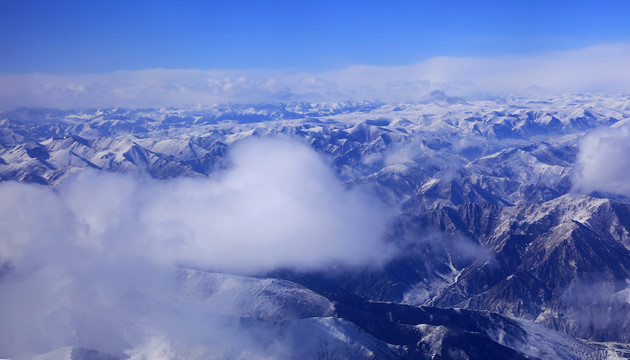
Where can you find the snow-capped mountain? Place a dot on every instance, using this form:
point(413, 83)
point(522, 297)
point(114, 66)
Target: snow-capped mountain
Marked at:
point(509, 244)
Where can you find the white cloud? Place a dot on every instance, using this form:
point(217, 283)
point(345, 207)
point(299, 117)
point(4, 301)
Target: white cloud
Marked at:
point(602, 161)
point(81, 265)
point(279, 205)
point(600, 68)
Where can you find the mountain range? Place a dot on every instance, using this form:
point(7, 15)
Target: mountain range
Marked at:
point(510, 241)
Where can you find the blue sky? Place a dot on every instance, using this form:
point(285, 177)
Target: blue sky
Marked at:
point(77, 37)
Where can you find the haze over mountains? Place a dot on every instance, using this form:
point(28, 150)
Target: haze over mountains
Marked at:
point(595, 68)
point(447, 228)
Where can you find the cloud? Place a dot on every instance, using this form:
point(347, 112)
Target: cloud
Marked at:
point(599, 68)
point(279, 205)
point(86, 264)
point(601, 163)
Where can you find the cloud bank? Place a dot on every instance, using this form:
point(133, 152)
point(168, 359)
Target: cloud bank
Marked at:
point(81, 265)
point(600, 68)
point(279, 205)
point(602, 161)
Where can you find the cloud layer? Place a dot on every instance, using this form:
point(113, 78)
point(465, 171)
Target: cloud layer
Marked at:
point(602, 161)
point(600, 68)
point(279, 205)
point(78, 265)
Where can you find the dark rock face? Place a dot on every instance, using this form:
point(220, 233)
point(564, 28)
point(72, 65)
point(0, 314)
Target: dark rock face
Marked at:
point(466, 333)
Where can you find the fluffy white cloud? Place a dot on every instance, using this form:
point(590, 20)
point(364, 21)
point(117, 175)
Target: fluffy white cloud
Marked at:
point(602, 161)
point(279, 205)
point(593, 69)
point(87, 264)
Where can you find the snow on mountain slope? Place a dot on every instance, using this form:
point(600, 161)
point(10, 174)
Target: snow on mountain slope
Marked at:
point(266, 299)
point(73, 353)
point(550, 265)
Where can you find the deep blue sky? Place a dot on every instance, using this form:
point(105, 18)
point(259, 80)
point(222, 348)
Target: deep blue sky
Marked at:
point(86, 36)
